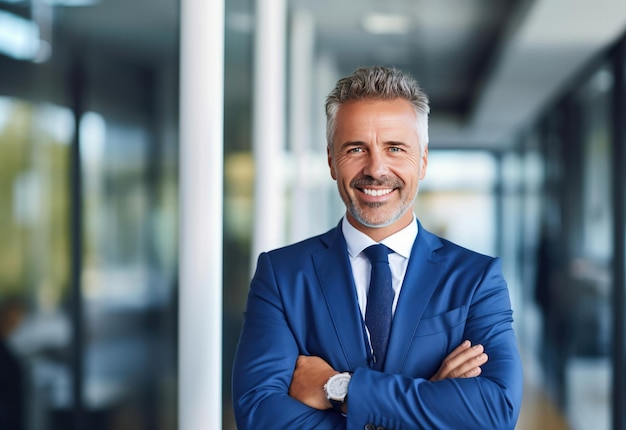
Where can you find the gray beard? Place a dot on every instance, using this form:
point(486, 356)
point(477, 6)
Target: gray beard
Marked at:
point(354, 211)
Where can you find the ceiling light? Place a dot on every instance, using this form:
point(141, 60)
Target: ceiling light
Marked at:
point(382, 23)
point(66, 3)
point(19, 37)
point(71, 3)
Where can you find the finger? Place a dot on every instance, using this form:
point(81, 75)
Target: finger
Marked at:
point(466, 355)
point(465, 360)
point(460, 356)
point(470, 368)
point(459, 350)
point(476, 371)
point(448, 362)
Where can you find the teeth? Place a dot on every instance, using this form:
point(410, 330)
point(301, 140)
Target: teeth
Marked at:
point(377, 192)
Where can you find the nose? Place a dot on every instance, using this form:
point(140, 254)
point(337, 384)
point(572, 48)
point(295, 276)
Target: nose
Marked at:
point(376, 165)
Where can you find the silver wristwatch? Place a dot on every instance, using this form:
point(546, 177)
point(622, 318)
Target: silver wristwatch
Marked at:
point(336, 389)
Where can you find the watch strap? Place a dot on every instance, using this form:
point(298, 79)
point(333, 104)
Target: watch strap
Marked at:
point(337, 405)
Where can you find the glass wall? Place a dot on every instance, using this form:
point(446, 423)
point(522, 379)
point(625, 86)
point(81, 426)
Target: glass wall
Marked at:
point(570, 266)
point(129, 256)
point(34, 141)
point(35, 265)
point(88, 213)
point(588, 293)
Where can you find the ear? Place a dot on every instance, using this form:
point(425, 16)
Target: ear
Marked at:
point(423, 163)
point(333, 174)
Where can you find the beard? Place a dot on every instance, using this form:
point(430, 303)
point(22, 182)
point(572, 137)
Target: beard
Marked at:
point(381, 218)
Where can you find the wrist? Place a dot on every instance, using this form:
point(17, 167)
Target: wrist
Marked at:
point(336, 389)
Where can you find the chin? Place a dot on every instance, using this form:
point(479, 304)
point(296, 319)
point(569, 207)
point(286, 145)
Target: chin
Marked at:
point(379, 221)
point(375, 223)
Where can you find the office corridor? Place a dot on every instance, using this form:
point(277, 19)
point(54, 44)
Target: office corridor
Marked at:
point(150, 150)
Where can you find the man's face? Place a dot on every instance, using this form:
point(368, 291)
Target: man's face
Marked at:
point(377, 163)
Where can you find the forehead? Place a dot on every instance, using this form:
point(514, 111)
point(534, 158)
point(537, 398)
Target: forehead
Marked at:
point(395, 115)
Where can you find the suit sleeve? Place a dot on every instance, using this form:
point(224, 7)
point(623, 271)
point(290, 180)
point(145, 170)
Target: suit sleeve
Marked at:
point(490, 401)
point(264, 365)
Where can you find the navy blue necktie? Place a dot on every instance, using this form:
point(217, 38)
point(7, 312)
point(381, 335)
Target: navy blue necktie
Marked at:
point(379, 302)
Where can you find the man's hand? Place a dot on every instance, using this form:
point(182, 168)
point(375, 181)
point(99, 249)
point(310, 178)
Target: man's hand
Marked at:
point(307, 383)
point(463, 362)
point(311, 373)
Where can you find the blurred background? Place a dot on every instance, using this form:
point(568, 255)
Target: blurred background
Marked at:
point(527, 157)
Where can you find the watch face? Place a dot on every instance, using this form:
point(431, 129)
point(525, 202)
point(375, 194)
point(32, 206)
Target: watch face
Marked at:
point(337, 387)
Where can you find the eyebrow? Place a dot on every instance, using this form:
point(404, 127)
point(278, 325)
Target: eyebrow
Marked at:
point(354, 143)
point(351, 144)
point(396, 143)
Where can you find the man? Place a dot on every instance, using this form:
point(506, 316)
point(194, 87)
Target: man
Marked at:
point(311, 356)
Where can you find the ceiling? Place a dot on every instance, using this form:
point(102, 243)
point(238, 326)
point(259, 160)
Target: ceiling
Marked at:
point(446, 44)
point(488, 66)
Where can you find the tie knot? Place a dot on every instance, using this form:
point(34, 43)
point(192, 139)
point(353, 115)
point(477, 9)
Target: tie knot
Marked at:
point(377, 253)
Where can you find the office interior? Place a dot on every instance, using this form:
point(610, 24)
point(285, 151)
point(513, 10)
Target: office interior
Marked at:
point(150, 149)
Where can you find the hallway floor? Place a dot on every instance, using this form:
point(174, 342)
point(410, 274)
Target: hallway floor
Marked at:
point(539, 413)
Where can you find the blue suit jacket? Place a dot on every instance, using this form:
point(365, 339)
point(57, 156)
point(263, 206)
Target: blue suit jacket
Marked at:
point(302, 300)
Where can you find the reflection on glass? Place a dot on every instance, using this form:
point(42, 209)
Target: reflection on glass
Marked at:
point(588, 290)
point(19, 37)
point(34, 252)
point(128, 277)
point(127, 289)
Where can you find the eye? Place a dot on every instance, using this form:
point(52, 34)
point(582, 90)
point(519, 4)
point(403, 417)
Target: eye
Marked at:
point(355, 150)
point(395, 149)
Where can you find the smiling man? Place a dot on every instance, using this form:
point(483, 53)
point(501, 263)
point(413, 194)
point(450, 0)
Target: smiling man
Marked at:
point(377, 162)
point(378, 323)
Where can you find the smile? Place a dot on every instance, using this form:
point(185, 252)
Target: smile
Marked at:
point(377, 193)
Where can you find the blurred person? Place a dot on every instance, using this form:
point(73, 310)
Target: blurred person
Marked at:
point(425, 343)
point(11, 383)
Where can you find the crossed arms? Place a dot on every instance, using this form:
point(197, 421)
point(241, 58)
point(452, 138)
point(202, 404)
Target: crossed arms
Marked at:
point(311, 373)
point(281, 367)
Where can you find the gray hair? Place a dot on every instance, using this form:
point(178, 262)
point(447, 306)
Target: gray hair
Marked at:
point(378, 83)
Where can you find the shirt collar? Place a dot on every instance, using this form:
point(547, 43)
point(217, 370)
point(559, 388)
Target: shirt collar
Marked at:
point(400, 242)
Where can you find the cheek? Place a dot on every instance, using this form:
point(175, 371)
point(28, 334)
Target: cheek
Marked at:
point(344, 169)
point(412, 171)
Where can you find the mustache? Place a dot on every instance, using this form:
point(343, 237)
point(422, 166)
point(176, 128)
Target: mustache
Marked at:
point(385, 181)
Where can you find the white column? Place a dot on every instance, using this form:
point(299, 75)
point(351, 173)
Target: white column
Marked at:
point(201, 182)
point(301, 66)
point(269, 125)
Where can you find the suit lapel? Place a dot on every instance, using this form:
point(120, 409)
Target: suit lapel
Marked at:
point(422, 277)
point(333, 270)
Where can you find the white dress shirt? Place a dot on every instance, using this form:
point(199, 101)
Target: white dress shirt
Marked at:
point(401, 243)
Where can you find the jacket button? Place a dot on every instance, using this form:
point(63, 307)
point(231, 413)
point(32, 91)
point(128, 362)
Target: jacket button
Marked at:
point(370, 427)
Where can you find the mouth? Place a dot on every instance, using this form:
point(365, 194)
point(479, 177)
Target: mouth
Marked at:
point(376, 192)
